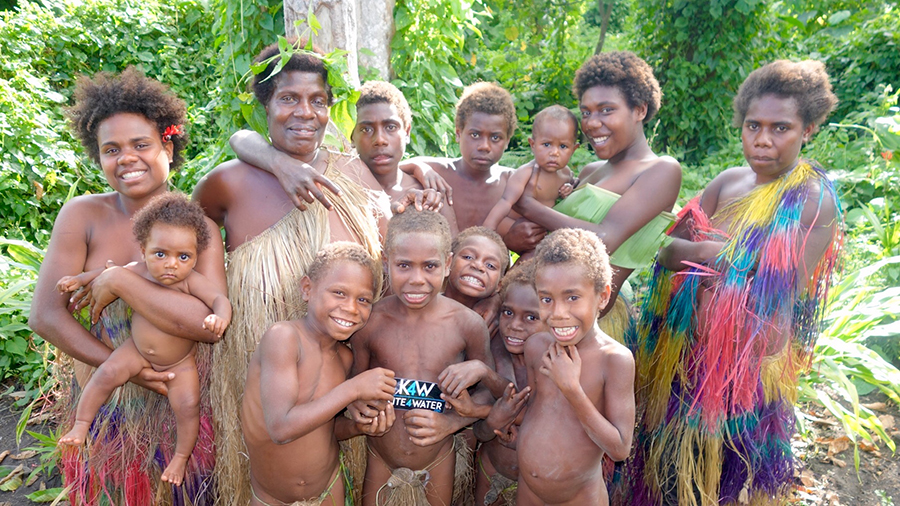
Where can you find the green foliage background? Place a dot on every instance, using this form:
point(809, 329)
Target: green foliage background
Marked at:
point(701, 52)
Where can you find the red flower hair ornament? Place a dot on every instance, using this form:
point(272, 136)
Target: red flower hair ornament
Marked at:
point(172, 130)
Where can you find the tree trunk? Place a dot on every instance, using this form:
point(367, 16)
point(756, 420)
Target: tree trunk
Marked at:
point(606, 8)
point(376, 29)
point(348, 25)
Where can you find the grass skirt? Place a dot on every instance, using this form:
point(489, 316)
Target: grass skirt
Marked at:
point(264, 288)
point(716, 382)
point(132, 439)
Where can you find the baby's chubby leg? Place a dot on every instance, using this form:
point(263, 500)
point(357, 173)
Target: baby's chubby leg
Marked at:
point(184, 397)
point(122, 364)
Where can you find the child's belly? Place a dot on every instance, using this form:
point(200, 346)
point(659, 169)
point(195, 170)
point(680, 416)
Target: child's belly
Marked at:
point(160, 349)
point(396, 449)
point(504, 459)
point(557, 459)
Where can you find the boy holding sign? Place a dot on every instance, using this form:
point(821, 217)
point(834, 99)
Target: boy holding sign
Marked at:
point(417, 333)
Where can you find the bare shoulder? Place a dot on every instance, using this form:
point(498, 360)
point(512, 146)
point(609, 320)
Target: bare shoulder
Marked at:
point(88, 206)
point(616, 358)
point(438, 163)
point(723, 187)
point(351, 166)
point(224, 178)
point(664, 172)
point(502, 172)
point(820, 208)
point(536, 345)
point(282, 338)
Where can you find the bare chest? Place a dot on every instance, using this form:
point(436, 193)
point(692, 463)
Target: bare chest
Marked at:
point(473, 201)
point(419, 353)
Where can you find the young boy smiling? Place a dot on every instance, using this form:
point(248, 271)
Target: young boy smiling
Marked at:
point(297, 384)
point(582, 401)
point(417, 333)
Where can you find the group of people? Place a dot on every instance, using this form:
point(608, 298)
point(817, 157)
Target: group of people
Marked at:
point(467, 380)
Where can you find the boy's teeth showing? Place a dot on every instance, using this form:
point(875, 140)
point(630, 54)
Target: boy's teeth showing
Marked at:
point(564, 332)
point(415, 297)
point(471, 280)
point(515, 341)
point(342, 323)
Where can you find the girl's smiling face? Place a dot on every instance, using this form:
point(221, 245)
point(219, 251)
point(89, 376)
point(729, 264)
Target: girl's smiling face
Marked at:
point(133, 156)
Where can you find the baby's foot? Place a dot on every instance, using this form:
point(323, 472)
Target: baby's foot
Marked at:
point(174, 472)
point(76, 436)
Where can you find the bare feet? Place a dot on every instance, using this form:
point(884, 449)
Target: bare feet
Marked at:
point(77, 435)
point(174, 472)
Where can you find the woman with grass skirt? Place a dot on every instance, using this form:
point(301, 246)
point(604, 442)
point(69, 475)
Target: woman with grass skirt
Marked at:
point(734, 306)
point(133, 127)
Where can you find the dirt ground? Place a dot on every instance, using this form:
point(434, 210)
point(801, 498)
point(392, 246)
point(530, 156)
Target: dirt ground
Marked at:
point(21, 455)
point(825, 474)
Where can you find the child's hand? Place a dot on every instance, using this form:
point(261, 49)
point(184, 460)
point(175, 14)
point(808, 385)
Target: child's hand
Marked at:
point(464, 405)
point(428, 199)
point(508, 437)
point(430, 179)
point(374, 385)
point(504, 412)
point(458, 377)
point(380, 424)
point(426, 428)
point(68, 284)
point(566, 190)
point(364, 412)
point(563, 365)
point(215, 324)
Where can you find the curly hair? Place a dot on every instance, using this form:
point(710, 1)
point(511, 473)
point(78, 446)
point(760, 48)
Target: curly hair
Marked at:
point(412, 221)
point(522, 273)
point(556, 112)
point(622, 70)
point(106, 94)
point(345, 251)
point(378, 92)
point(478, 231)
point(171, 208)
point(487, 98)
point(578, 246)
point(264, 88)
point(805, 81)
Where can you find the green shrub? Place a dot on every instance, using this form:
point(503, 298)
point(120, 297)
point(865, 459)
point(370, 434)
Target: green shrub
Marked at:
point(43, 48)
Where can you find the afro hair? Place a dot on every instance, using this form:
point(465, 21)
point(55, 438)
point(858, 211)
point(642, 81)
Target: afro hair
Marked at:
point(412, 221)
point(487, 98)
point(107, 94)
point(806, 82)
point(522, 273)
point(378, 92)
point(625, 71)
point(577, 246)
point(345, 251)
point(173, 209)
